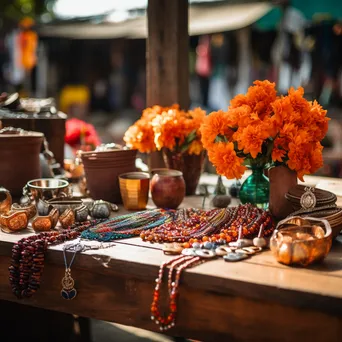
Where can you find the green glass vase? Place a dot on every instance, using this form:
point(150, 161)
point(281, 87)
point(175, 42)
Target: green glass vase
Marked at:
point(256, 188)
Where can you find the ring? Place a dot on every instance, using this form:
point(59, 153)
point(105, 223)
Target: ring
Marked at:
point(244, 251)
point(189, 251)
point(43, 223)
point(222, 250)
point(205, 253)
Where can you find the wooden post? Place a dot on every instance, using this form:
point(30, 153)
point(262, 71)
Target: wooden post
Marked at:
point(167, 59)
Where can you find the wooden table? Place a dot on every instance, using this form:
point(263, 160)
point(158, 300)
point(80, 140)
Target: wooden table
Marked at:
point(257, 299)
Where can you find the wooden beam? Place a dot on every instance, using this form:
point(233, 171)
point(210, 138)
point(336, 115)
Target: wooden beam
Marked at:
point(167, 57)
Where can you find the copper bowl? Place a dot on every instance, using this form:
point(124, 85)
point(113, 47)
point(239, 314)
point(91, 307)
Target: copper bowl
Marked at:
point(301, 240)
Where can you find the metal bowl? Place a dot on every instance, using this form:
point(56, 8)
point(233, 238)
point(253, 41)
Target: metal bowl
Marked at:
point(47, 188)
point(301, 240)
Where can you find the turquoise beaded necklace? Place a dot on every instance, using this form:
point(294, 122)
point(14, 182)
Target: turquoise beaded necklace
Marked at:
point(129, 225)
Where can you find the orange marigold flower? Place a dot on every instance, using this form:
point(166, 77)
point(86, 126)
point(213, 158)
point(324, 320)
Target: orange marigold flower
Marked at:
point(251, 139)
point(227, 163)
point(216, 123)
point(195, 147)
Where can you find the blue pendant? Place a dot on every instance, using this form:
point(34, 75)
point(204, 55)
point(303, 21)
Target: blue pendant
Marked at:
point(69, 294)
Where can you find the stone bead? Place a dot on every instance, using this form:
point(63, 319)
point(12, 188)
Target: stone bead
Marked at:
point(208, 245)
point(196, 245)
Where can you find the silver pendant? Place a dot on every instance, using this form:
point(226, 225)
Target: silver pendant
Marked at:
point(308, 199)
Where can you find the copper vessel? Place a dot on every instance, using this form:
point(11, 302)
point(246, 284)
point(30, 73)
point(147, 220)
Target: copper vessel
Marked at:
point(301, 240)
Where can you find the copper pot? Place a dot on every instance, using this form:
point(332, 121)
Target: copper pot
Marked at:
point(167, 188)
point(19, 155)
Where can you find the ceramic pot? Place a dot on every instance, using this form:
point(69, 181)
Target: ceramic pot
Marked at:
point(191, 165)
point(102, 175)
point(19, 155)
point(167, 188)
point(282, 179)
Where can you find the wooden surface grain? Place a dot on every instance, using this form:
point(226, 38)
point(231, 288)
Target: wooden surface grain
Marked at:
point(218, 300)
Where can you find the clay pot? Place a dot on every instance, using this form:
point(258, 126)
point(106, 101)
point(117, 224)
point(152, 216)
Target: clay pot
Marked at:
point(19, 155)
point(191, 165)
point(167, 188)
point(282, 179)
point(102, 173)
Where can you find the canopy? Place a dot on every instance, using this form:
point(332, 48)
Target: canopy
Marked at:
point(202, 20)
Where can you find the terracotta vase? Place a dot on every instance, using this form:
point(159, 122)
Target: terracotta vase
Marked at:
point(191, 165)
point(282, 179)
point(167, 188)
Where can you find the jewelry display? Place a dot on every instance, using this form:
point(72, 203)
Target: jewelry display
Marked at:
point(307, 198)
point(28, 256)
point(129, 225)
point(301, 241)
point(5, 200)
point(44, 223)
point(13, 221)
point(30, 209)
point(216, 226)
point(67, 218)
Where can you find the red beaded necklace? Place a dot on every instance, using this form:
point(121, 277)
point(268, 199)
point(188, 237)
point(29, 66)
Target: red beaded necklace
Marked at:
point(180, 263)
point(28, 256)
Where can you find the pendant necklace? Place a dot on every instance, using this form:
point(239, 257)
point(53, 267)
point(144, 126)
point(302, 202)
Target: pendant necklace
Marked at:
point(68, 291)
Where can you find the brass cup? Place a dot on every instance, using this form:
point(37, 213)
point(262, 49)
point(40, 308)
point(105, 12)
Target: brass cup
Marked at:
point(134, 188)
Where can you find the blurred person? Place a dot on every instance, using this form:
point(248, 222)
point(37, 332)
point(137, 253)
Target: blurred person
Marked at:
point(204, 67)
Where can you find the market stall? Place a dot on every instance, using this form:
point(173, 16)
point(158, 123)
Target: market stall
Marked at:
point(218, 300)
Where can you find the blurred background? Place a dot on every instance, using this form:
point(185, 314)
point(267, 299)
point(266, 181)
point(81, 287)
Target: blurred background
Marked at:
point(90, 56)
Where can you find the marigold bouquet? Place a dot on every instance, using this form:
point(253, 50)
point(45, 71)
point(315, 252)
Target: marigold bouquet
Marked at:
point(167, 127)
point(263, 128)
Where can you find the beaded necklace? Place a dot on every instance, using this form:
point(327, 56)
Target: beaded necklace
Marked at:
point(28, 255)
point(129, 225)
point(217, 225)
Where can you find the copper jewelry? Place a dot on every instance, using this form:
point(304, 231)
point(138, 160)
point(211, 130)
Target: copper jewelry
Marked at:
point(30, 209)
point(44, 223)
point(13, 221)
point(5, 205)
point(67, 218)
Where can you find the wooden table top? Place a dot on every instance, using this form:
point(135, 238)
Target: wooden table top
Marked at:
point(258, 279)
